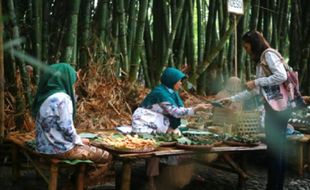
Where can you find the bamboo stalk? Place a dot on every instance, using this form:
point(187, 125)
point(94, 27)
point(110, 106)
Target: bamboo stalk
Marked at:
point(1, 78)
point(171, 38)
point(138, 42)
point(21, 62)
point(84, 33)
point(69, 48)
point(122, 35)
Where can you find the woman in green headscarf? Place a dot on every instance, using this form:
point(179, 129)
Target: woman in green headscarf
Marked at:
point(161, 112)
point(162, 109)
point(54, 111)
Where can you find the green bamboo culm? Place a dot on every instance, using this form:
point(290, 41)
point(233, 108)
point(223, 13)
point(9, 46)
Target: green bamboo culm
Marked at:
point(70, 43)
point(122, 35)
point(20, 62)
point(138, 42)
point(2, 129)
point(84, 34)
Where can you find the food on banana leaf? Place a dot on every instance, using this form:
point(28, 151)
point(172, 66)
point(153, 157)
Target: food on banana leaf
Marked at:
point(199, 139)
point(126, 142)
point(160, 137)
point(245, 139)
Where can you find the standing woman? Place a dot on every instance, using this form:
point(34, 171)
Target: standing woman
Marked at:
point(54, 109)
point(270, 75)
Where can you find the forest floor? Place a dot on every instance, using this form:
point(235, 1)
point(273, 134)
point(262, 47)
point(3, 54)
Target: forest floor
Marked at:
point(204, 178)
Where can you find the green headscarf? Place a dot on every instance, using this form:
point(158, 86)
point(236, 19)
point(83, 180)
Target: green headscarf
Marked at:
point(165, 93)
point(60, 77)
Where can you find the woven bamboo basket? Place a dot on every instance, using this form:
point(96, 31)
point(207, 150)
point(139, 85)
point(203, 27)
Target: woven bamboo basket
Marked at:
point(243, 122)
point(175, 176)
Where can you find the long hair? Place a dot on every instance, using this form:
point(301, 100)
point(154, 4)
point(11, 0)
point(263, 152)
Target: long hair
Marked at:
point(258, 43)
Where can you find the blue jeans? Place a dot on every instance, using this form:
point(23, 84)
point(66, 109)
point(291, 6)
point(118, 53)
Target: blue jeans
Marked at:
point(275, 125)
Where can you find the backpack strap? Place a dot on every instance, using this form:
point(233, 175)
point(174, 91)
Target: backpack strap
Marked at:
point(264, 64)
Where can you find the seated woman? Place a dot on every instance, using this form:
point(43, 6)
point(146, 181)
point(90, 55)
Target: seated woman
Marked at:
point(161, 112)
point(54, 108)
point(162, 109)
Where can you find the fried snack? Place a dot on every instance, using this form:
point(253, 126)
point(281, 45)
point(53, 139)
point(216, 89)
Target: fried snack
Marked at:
point(128, 142)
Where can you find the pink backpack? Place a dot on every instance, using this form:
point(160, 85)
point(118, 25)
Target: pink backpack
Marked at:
point(286, 95)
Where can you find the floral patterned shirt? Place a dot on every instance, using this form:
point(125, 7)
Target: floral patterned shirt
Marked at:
point(166, 108)
point(154, 118)
point(55, 132)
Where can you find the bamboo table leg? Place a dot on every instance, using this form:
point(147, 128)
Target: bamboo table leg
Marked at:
point(241, 173)
point(52, 185)
point(308, 155)
point(239, 170)
point(80, 177)
point(15, 160)
point(126, 175)
point(300, 158)
point(242, 179)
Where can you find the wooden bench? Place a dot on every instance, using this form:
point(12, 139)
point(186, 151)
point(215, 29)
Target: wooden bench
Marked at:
point(300, 155)
point(298, 151)
point(19, 140)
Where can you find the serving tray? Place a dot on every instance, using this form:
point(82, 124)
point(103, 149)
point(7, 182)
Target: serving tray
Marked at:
point(117, 150)
point(234, 143)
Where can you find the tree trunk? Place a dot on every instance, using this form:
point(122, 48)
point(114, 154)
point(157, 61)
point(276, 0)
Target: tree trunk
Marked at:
point(200, 39)
point(190, 43)
point(84, 31)
point(255, 14)
point(102, 13)
point(37, 41)
point(138, 43)
point(45, 34)
point(132, 25)
point(171, 38)
point(2, 114)
point(70, 43)
point(159, 32)
point(21, 64)
point(122, 35)
point(201, 76)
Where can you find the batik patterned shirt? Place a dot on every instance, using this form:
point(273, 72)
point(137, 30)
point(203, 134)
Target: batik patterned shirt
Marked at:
point(167, 108)
point(154, 117)
point(55, 131)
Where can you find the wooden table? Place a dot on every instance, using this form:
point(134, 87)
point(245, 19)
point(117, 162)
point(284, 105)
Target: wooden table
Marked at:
point(302, 148)
point(127, 159)
point(298, 152)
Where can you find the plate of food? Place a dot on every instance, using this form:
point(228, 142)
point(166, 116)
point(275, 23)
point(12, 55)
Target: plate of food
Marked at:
point(197, 142)
point(125, 143)
point(244, 140)
point(162, 139)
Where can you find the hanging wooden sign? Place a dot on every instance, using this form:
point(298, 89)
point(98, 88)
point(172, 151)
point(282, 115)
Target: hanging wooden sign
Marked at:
point(235, 6)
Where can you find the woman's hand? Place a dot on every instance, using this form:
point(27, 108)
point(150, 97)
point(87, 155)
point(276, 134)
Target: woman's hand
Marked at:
point(226, 101)
point(250, 85)
point(85, 141)
point(202, 107)
point(174, 131)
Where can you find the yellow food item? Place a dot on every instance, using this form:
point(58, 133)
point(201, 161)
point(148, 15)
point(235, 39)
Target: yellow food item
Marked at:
point(129, 142)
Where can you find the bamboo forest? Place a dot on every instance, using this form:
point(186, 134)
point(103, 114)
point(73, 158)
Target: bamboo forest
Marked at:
point(140, 38)
point(120, 49)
